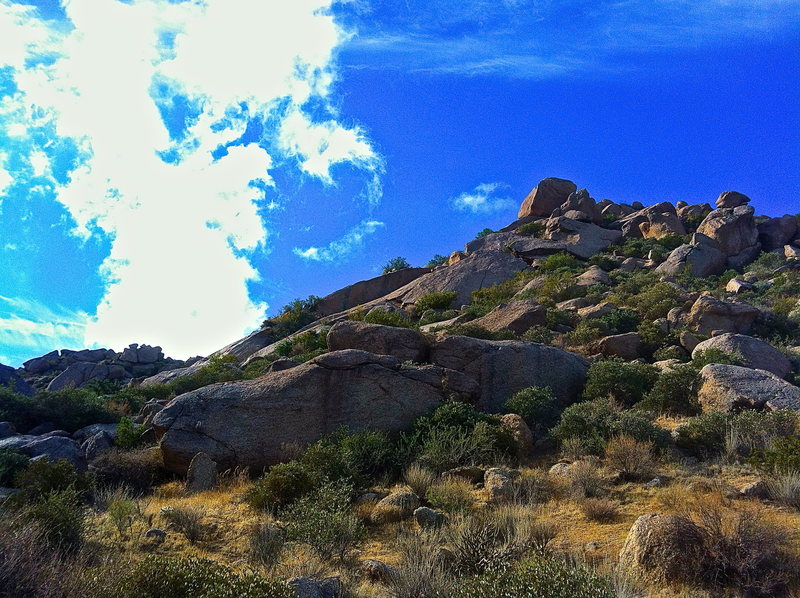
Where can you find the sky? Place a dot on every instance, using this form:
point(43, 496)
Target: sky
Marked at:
point(174, 171)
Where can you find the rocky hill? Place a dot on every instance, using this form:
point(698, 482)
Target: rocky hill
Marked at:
point(585, 324)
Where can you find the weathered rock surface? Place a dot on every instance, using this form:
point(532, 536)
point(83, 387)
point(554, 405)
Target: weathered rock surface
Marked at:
point(9, 377)
point(55, 448)
point(249, 423)
point(83, 372)
point(170, 375)
point(400, 505)
point(734, 229)
point(428, 518)
point(777, 232)
point(503, 368)
point(667, 547)
point(709, 313)
point(499, 482)
point(580, 202)
point(244, 347)
point(516, 316)
point(627, 346)
point(731, 388)
point(521, 432)
point(476, 271)
point(755, 353)
point(43, 364)
point(404, 343)
point(702, 257)
point(97, 445)
point(367, 290)
point(583, 239)
point(548, 195)
point(656, 221)
point(202, 473)
point(732, 199)
point(593, 276)
point(492, 242)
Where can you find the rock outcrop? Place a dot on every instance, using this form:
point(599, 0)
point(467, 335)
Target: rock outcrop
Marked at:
point(367, 290)
point(754, 353)
point(734, 229)
point(250, 423)
point(709, 314)
point(10, 378)
point(516, 316)
point(548, 195)
point(660, 220)
point(775, 233)
point(702, 257)
point(732, 388)
point(404, 343)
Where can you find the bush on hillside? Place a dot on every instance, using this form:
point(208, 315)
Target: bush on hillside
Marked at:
point(396, 319)
point(60, 515)
point(395, 264)
point(129, 436)
point(283, 484)
point(626, 383)
point(531, 229)
point(674, 392)
point(69, 408)
point(537, 405)
point(437, 260)
point(11, 463)
point(483, 233)
point(476, 331)
point(781, 457)
point(442, 300)
point(295, 315)
point(558, 262)
point(138, 469)
point(43, 477)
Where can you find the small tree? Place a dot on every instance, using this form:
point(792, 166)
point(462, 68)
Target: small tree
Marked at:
point(395, 264)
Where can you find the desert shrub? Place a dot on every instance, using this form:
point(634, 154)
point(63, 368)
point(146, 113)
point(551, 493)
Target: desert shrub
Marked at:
point(43, 478)
point(440, 300)
point(782, 456)
point(283, 484)
point(593, 423)
point(537, 405)
point(303, 347)
point(641, 247)
point(419, 479)
point(632, 458)
point(437, 260)
point(784, 487)
point(11, 464)
point(395, 264)
point(766, 263)
point(625, 383)
point(599, 509)
point(619, 321)
point(541, 577)
point(703, 435)
point(669, 352)
point(483, 542)
point(129, 436)
point(587, 331)
point(532, 487)
point(476, 331)
point(138, 469)
point(749, 432)
point(451, 495)
point(266, 542)
point(558, 262)
point(422, 572)
point(69, 408)
point(604, 261)
point(538, 334)
point(456, 434)
point(396, 319)
point(486, 299)
point(323, 521)
point(256, 368)
point(704, 358)
point(122, 511)
point(187, 520)
point(531, 229)
point(556, 287)
point(558, 317)
point(655, 301)
point(483, 233)
point(60, 515)
point(182, 577)
point(293, 317)
point(220, 368)
point(586, 479)
point(433, 316)
point(674, 392)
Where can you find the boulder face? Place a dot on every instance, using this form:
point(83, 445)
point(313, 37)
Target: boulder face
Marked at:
point(403, 343)
point(581, 202)
point(367, 290)
point(702, 257)
point(83, 372)
point(251, 423)
point(709, 313)
point(776, 232)
point(10, 377)
point(245, 347)
point(660, 220)
point(548, 195)
point(755, 353)
point(734, 229)
point(516, 316)
point(732, 199)
point(502, 368)
point(627, 346)
point(582, 239)
point(731, 388)
point(476, 271)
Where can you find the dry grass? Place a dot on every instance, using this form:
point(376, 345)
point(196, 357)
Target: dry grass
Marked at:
point(419, 479)
point(601, 510)
point(632, 458)
point(586, 479)
point(451, 495)
point(785, 488)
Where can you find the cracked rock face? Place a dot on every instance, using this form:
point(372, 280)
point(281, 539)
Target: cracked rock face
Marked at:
point(252, 423)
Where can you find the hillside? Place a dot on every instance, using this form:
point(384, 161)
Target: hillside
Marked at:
point(599, 399)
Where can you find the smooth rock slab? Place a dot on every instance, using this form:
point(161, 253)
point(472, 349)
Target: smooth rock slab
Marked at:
point(754, 352)
point(731, 388)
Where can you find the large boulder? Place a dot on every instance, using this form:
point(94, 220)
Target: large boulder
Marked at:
point(693, 213)
point(665, 547)
point(83, 372)
point(476, 271)
point(144, 354)
point(580, 202)
point(491, 242)
point(548, 195)
point(660, 220)
point(702, 257)
point(503, 368)
point(583, 239)
point(56, 448)
point(595, 275)
point(755, 353)
point(43, 364)
point(734, 229)
point(403, 343)
point(776, 232)
point(250, 423)
point(69, 356)
point(366, 291)
point(516, 316)
point(244, 347)
point(10, 378)
point(627, 346)
point(168, 376)
point(709, 313)
point(732, 199)
point(731, 388)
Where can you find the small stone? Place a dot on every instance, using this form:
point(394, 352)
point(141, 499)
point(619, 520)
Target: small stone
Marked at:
point(377, 572)
point(158, 534)
point(428, 518)
point(202, 474)
point(656, 482)
point(758, 489)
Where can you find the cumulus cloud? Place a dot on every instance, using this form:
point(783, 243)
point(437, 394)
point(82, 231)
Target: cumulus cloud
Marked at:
point(179, 196)
point(340, 248)
point(483, 199)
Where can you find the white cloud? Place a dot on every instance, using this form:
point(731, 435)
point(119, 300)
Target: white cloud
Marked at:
point(181, 232)
point(38, 328)
point(340, 248)
point(483, 199)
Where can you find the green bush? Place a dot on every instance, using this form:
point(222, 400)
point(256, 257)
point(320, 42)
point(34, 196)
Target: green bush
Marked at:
point(537, 405)
point(61, 517)
point(437, 260)
point(675, 392)
point(538, 334)
point(441, 300)
point(541, 577)
point(641, 247)
point(593, 423)
point(395, 264)
point(557, 287)
point(483, 233)
point(303, 347)
point(704, 435)
point(531, 229)
point(220, 368)
point(42, 478)
point(704, 358)
point(486, 299)
point(323, 520)
point(625, 383)
point(451, 495)
point(283, 484)
point(11, 464)
point(293, 317)
point(395, 319)
point(476, 331)
point(182, 577)
point(558, 317)
point(605, 261)
point(129, 436)
point(70, 409)
point(558, 262)
point(782, 457)
point(138, 469)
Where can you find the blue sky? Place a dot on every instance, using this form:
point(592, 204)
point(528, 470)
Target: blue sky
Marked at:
point(171, 172)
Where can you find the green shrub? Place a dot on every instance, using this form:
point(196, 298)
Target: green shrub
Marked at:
point(395, 264)
point(395, 319)
point(431, 316)
point(704, 358)
point(558, 317)
point(651, 299)
point(129, 436)
point(557, 287)
point(782, 457)
point(625, 383)
point(138, 469)
point(703, 435)
point(486, 299)
point(187, 520)
point(42, 478)
point(436, 300)
point(61, 517)
point(283, 484)
point(122, 511)
point(437, 260)
point(531, 229)
point(538, 334)
point(220, 368)
point(293, 317)
point(593, 423)
point(641, 247)
point(605, 261)
point(303, 347)
point(182, 577)
point(669, 352)
point(675, 392)
point(452, 495)
point(483, 233)
point(558, 262)
point(537, 405)
point(69, 408)
point(323, 520)
point(476, 331)
point(11, 464)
